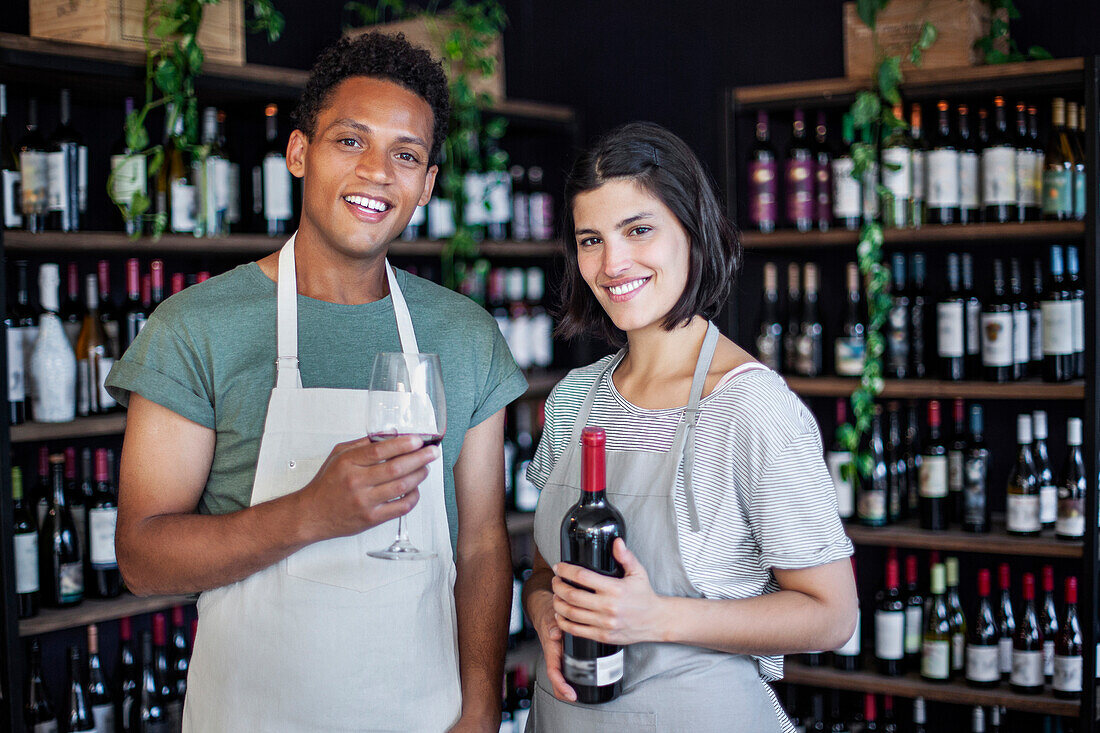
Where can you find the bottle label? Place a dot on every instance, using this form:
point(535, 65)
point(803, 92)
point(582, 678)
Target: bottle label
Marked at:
point(104, 716)
point(956, 471)
point(542, 339)
point(982, 663)
point(846, 195)
point(763, 192)
point(935, 659)
point(1035, 340)
point(521, 216)
point(1048, 657)
point(943, 178)
point(1023, 513)
point(473, 190)
point(17, 383)
point(103, 366)
point(1057, 327)
point(1004, 647)
point(1027, 668)
point(897, 171)
point(233, 206)
point(958, 652)
point(1077, 325)
point(851, 647)
point(914, 622)
point(1071, 516)
point(129, 176)
point(1058, 192)
point(527, 494)
point(515, 618)
point(823, 175)
point(897, 343)
point(849, 356)
point(26, 562)
point(276, 178)
point(34, 167)
point(933, 477)
point(973, 328)
point(594, 672)
point(998, 176)
point(974, 493)
point(1021, 327)
point(1048, 504)
point(12, 197)
point(890, 634)
point(767, 350)
point(969, 191)
point(950, 329)
point(800, 189)
point(57, 181)
point(542, 215)
point(498, 197)
point(845, 494)
point(183, 202)
point(441, 220)
point(997, 346)
point(70, 581)
point(101, 532)
point(1068, 673)
point(872, 505)
point(870, 191)
point(1028, 184)
point(919, 163)
point(1079, 196)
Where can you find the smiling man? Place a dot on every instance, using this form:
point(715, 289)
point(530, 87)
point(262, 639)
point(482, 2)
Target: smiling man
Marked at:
point(246, 473)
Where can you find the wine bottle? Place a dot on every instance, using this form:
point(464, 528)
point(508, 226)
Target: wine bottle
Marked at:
point(104, 580)
point(1070, 523)
point(156, 282)
point(45, 485)
point(212, 177)
point(278, 208)
point(996, 714)
point(1058, 166)
point(919, 146)
point(997, 324)
point(22, 328)
point(94, 359)
point(177, 195)
point(836, 459)
point(850, 344)
point(1021, 322)
point(847, 657)
point(1035, 313)
point(897, 174)
point(823, 171)
point(969, 165)
point(67, 159)
point(951, 326)
point(588, 532)
point(1048, 490)
point(798, 176)
point(232, 174)
point(889, 720)
point(769, 341)
point(179, 657)
point(817, 707)
point(1048, 622)
point(870, 714)
point(53, 364)
point(38, 711)
point(35, 173)
point(1027, 645)
point(933, 474)
point(897, 475)
point(897, 322)
point(60, 570)
point(1022, 500)
point(975, 511)
point(521, 208)
point(1077, 302)
point(956, 463)
point(129, 180)
point(847, 196)
point(794, 319)
point(75, 499)
point(1058, 319)
point(108, 311)
point(869, 183)
point(977, 719)
point(913, 456)
point(71, 311)
point(914, 614)
point(873, 489)
point(526, 493)
point(11, 216)
point(1079, 195)
point(890, 624)
point(763, 178)
point(956, 617)
point(80, 716)
point(936, 639)
point(162, 674)
point(99, 695)
point(1006, 622)
point(542, 206)
point(836, 717)
point(1068, 648)
point(943, 170)
point(918, 302)
point(1029, 162)
point(983, 668)
point(999, 169)
point(153, 715)
point(26, 549)
point(129, 680)
point(541, 325)
point(809, 345)
point(134, 310)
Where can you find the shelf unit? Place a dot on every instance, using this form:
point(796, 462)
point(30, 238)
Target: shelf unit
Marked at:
point(1081, 77)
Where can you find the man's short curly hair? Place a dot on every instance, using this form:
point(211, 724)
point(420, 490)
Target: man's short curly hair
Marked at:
point(382, 56)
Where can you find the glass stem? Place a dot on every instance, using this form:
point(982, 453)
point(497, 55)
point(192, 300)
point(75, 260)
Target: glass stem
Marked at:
point(401, 536)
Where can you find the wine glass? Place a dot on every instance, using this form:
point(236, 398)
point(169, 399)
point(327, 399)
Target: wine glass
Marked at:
point(406, 398)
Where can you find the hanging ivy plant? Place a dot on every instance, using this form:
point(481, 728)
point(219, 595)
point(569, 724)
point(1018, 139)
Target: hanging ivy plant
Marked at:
point(998, 46)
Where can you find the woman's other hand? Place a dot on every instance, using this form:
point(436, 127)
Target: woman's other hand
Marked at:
point(540, 609)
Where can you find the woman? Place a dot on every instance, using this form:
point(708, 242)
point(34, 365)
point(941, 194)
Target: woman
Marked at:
point(736, 554)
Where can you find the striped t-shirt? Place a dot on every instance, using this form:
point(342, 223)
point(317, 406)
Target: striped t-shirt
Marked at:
point(764, 496)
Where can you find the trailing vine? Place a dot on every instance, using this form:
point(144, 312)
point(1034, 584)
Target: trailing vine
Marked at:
point(994, 43)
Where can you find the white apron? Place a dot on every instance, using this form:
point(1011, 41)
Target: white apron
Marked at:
point(329, 638)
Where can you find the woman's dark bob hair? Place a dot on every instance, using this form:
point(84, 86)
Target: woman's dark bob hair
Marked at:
point(662, 164)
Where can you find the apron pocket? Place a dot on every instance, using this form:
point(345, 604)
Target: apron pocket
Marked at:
point(550, 715)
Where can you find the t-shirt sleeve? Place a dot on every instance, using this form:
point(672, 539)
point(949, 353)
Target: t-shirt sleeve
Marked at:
point(793, 510)
point(504, 381)
point(549, 448)
point(163, 368)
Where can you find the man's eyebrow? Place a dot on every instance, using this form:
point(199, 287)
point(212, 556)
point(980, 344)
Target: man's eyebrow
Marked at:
point(366, 130)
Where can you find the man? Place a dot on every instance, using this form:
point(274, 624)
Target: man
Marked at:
point(271, 513)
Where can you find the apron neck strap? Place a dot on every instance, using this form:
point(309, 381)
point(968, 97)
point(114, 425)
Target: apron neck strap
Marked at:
point(589, 399)
point(288, 374)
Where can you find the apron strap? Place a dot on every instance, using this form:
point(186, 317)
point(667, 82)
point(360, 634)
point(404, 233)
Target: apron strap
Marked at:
point(685, 434)
point(581, 422)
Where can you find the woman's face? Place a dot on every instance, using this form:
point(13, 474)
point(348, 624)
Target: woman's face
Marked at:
point(632, 252)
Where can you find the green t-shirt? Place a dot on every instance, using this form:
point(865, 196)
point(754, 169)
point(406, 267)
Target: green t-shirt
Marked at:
point(208, 354)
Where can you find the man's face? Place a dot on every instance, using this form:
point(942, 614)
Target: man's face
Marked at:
point(366, 168)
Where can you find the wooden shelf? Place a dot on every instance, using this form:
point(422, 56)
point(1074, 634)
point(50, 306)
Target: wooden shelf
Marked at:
point(1045, 75)
point(82, 427)
point(938, 389)
point(94, 611)
point(234, 244)
point(913, 685)
point(997, 541)
point(1044, 231)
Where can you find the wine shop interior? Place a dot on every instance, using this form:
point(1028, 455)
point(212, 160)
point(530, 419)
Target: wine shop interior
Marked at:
point(913, 185)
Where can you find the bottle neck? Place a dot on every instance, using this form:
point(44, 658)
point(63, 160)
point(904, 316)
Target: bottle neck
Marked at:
point(57, 478)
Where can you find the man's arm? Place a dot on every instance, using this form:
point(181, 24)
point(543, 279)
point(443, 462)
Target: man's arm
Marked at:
point(483, 586)
point(163, 546)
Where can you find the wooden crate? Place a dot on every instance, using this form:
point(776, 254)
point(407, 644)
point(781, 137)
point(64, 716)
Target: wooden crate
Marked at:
point(430, 32)
point(958, 22)
point(117, 24)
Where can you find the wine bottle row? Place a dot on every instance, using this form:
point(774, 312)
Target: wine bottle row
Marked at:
point(516, 705)
point(1010, 332)
point(521, 436)
point(146, 695)
point(1005, 172)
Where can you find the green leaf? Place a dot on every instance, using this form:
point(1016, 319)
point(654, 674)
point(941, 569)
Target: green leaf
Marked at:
point(167, 27)
point(865, 109)
point(928, 36)
point(1038, 53)
point(139, 204)
point(889, 76)
point(868, 11)
point(167, 76)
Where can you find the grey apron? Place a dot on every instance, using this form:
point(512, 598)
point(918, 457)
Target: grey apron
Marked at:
point(666, 687)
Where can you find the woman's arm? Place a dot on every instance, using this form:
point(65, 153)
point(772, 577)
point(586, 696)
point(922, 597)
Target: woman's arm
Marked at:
point(814, 609)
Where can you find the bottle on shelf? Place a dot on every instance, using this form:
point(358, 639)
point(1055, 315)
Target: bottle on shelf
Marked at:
point(999, 169)
point(823, 171)
point(933, 475)
point(846, 195)
point(956, 463)
point(897, 322)
point(1021, 321)
point(798, 177)
point(1035, 314)
point(103, 578)
point(1027, 645)
point(79, 717)
point(1048, 622)
point(72, 310)
point(1079, 196)
point(890, 624)
point(75, 498)
point(919, 146)
point(809, 346)
point(969, 166)
point(35, 173)
point(26, 549)
point(1058, 166)
point(45, 485)
point(918, 305)
point(519, 317)
point(61, 572)
point(521, 207)
point(1048, 490)
point(1029, 170)
point(983, 668)
point(951, 325)
point(100, 700)
point(1057, 311)
point(897, 475)
point(130, 682)
point(872, 504)
point(275, 187)
point(497, 184)
point(67, 161)
point(914, 614)
point(11, 216)
point(211, 172)
point(1077, 302)
point(22, 331)
point(38, 707)
point(153, 715)
point(942, 163)
point(473, 189)
point(869, 183)
point(94, 359)
point(177, 194)
point(936, 639)
point(540, 323)
point(769, 341)
point(998, 357)
point(956, 616)
point(973, 310)
point(542, 206)
point(913, 457)
point(850, 345)
point(1070, 522)
point(128, 182)
point(53, 363)
point(595, 670)
point(977, 720)
point(134, 311)
point(794, 319)
point(836, 459)
point(156, 282)
point(179, 656)
point(1006, 621)
point(162, 674)
point(1022, 497)
point(1068, 648)
point(975, 508)
point(232, 174)
point(897, 174)
point(847, 657)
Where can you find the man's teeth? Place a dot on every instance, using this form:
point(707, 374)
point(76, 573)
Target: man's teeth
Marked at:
point(627, 287)
point(368, 203)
